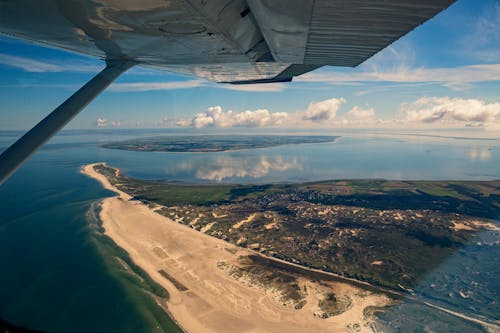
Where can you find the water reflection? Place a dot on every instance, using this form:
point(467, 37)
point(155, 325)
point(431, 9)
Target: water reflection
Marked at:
point(229, 166)
point(349, 157)
point(479, 154)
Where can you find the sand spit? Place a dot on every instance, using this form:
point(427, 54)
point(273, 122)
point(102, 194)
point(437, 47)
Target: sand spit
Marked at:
point(210, 301)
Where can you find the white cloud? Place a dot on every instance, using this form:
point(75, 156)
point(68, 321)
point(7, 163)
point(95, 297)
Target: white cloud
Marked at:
point(468, 112)
point(426, 112)
point(36, 66)
point(483, 38)
point(358, 117)
point(397, 65)
point(493, 127)
point(322, 114)
point(155, 86)
point(27, 64)
point(449, 76)
point(324, 110)
point(358, 113)
point(102, 122)
point(216, 117)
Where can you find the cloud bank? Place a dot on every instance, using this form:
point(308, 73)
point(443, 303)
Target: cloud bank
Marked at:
point(426, 112)
point(324, 110)
point(216, 117)
point(468, 112)
point(318, 114)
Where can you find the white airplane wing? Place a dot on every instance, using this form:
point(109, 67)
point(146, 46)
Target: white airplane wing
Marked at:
point(221, 40)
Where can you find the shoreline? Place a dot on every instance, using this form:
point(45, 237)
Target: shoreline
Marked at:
point(214, 301)
point(152, 292)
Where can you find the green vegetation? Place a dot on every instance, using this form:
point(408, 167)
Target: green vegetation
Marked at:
point(333, 306)
point(214, 143)
point(473, 198)
point(388, 233)
point(174, 281)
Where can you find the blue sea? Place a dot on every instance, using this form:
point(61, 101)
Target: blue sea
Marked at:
point(56, 276)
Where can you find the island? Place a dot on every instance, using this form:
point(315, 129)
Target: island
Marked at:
point(324, 256)
point(214, 143)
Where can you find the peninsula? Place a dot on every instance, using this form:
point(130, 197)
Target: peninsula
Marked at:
point(322, 257)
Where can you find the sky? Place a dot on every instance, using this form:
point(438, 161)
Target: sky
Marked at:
point(444, 74)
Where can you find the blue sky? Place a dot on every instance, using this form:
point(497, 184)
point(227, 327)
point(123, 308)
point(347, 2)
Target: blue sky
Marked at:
point(444, 74)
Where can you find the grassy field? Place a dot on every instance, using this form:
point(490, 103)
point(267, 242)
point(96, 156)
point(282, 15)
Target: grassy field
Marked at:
point(473, 198)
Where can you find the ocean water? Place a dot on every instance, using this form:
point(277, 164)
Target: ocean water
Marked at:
point(56, 275)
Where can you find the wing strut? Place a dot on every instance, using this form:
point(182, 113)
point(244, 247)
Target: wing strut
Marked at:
point(28, 144)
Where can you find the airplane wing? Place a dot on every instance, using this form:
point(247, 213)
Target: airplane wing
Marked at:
point(241, 41)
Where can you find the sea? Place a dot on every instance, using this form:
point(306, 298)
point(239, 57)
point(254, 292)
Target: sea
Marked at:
point(57, 274)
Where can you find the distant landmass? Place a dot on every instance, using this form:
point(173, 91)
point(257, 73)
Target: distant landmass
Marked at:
point(214, 143)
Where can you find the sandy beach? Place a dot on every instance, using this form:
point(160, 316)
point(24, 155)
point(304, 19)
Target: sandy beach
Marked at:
point(203, 298)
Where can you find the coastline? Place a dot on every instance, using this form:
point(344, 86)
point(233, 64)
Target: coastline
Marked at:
point(212, 301)
point(136, 282)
